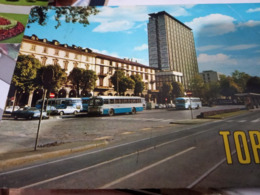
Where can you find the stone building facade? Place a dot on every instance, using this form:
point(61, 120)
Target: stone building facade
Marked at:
point(68, 57)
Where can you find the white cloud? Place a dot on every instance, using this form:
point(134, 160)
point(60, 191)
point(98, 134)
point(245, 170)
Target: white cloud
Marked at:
point(114, 26)
point(105, 52)
point(218, 59)
point(253, 10)
point(114, 19)
point(241, 47)
point(209, 47)
point(250, 23)
point(180, 10)
point(213, 24)
point(141, 48)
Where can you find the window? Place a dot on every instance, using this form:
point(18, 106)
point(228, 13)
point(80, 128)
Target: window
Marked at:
point(102, 61)
point(45, 50)
point(56, 52)
point(44, 59)
point(66, 63)
point(101, 80)
point(33, 47)
point(67, 54)
point(105, 101)
point(75, 64)
point(55, 61)
point(112, 101)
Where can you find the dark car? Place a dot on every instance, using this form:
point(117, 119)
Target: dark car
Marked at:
point(29, 113)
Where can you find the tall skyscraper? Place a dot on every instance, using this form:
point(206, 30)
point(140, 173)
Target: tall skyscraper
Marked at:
point(171, 49)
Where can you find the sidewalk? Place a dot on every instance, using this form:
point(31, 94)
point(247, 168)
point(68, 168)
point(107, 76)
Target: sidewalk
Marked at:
point(27, 155)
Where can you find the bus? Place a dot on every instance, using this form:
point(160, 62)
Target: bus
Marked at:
point(187, 103)
point(61, 105)
point(110, 105)
point(85, 103)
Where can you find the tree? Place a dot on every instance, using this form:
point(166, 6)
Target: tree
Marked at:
point(89, 78)
point(25, 74)
point(76, 77)
point(253, 85)
point(59, 77)
point(240, 78)
point(212, 92)
point(197, 86)
point(70, 13)
point(177, 89)
point(165, 92)
point(228, 87)
point(126, 83)
point(139, 84)
point(116, 78)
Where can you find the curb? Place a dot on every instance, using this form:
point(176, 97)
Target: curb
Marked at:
point(191, 122)
point(26, 159)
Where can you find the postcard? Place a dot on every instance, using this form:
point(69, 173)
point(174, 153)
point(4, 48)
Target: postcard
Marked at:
point(147, 97)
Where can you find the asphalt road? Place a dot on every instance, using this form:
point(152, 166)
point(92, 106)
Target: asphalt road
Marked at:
point(184, 156)
point(20, 134)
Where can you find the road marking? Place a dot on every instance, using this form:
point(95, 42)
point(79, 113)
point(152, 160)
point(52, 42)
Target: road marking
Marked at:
point(230, 121)
point(242, 121)
point(95, 166)
point(139, 119)
point(109, 148)
point(104, 137)
point(256, 120)
point(145, 168)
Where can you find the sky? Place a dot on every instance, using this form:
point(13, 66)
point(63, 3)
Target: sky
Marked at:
point(227, 36)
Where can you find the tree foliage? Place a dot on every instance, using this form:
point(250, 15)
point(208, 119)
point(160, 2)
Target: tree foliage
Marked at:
point(197, 86)
point(75, 77)
point(253, 85)
point(89, 78)
point(59, 77)
point(139, 84)
point(177, 89)
point(121, 82)
point(83, 79)
point(25, 73)
point(240, 78)
point(70, 13)
point(165, 92)
point(228, 87)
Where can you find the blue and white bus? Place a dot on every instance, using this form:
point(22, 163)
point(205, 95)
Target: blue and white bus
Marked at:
point(110, 105)
point(62, 105)
point(188, 103)
point(85, 103)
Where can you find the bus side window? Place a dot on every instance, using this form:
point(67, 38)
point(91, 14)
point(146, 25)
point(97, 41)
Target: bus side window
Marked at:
point(105, 101)
point(112, 101)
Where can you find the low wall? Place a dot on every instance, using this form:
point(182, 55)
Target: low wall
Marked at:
point(214, 112)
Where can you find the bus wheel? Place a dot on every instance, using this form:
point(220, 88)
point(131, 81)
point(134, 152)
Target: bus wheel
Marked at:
point(61, 113)
point(75, 112)
point(133, 111)
point(190, 108)
point(111, 112)
point(197, 107)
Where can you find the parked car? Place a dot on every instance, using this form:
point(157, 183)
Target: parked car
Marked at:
point(9, 109)
point(29, 113)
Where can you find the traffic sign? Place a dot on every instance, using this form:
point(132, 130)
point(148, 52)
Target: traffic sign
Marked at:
point(189, 93)
point(52, 95)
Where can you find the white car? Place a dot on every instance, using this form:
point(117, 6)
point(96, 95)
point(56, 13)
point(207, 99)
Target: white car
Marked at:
point(9, 109)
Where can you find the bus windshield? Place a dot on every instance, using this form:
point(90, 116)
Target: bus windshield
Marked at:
point(96, 102)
